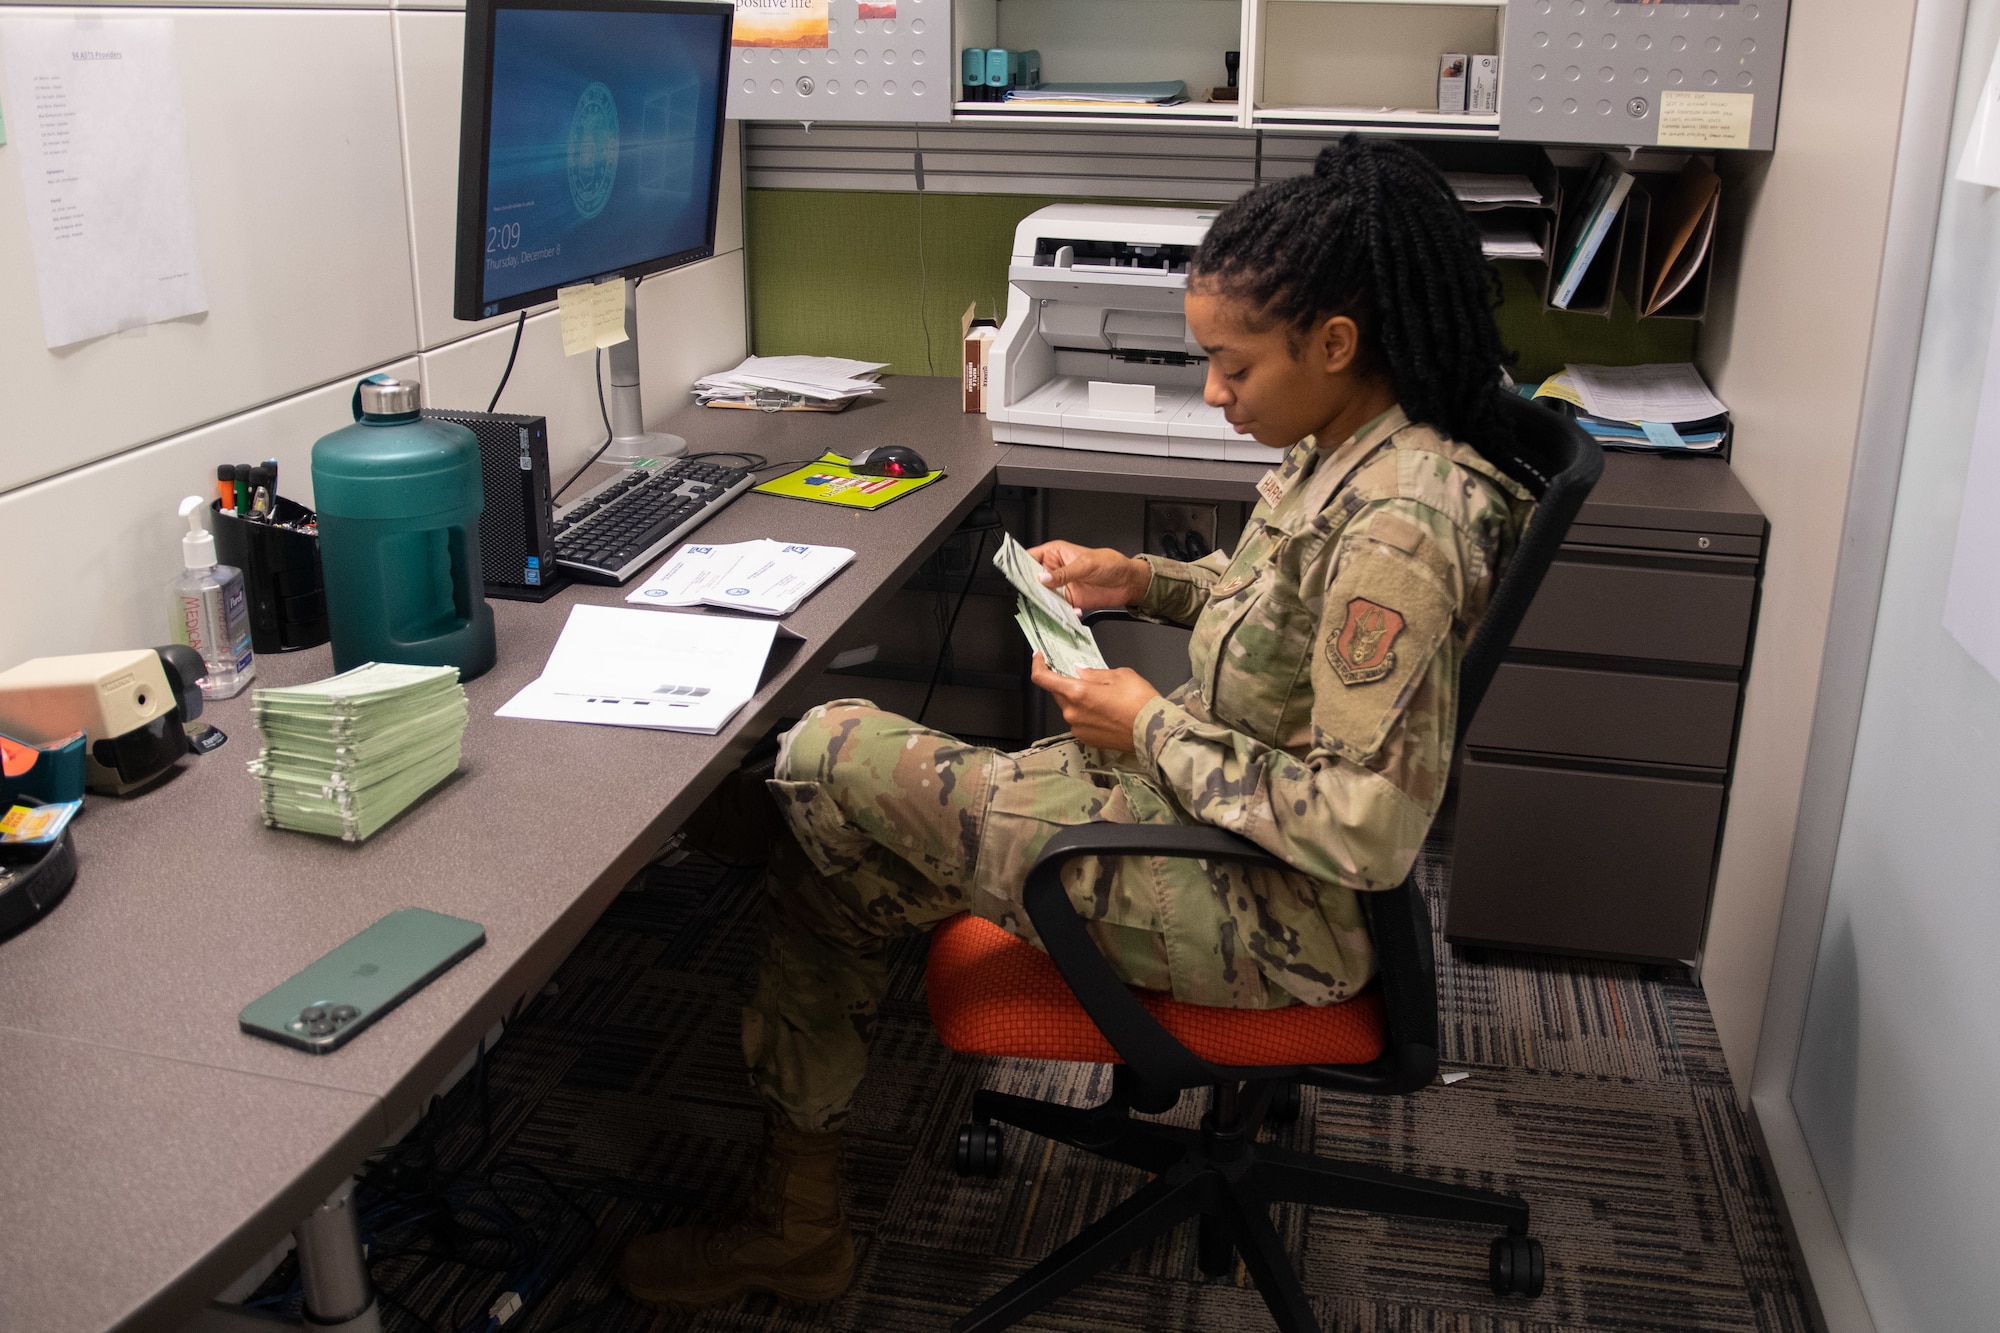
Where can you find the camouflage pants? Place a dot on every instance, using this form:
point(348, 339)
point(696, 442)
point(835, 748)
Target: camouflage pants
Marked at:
point(896, 827)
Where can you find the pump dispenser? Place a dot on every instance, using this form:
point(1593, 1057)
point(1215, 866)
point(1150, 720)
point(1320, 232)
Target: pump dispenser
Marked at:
point(211, 614)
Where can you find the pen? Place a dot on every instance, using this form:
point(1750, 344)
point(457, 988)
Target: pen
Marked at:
point(225, 484)
point(260, 493)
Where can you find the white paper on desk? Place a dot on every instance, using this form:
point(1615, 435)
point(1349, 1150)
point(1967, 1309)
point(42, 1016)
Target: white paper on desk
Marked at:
point(103, 147)
point(693, 572)
point(774, 582)
point(1674, 391)
point(621, 668)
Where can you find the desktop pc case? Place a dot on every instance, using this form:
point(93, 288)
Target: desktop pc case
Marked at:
point(517, 542)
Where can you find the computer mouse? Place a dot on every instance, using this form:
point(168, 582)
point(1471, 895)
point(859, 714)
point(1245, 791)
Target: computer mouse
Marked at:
point(889, 460)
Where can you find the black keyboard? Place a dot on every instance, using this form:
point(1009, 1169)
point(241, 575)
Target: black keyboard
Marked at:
point(613, 531)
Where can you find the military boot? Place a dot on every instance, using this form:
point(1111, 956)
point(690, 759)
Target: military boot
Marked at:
point(790, 1239)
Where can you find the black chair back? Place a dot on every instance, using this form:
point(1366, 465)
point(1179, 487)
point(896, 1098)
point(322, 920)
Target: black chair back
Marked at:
point(1557, 463)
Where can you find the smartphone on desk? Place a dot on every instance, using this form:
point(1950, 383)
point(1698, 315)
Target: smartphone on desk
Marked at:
point(323, 1006)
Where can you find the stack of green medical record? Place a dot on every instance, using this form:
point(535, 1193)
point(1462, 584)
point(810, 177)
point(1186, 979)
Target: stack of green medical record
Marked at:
point(345, 755)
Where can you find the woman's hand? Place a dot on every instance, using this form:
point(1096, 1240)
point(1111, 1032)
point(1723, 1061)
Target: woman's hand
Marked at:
point(1099, 706)
point(1092, 578)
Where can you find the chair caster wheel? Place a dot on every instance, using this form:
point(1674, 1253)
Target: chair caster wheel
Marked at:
point(1287, 1100)
point(978, 1152)
point(1515, 1266)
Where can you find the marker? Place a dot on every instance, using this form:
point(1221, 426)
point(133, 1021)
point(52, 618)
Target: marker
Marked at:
point(271, 470)
point(225, 484)
point(242, 471)
point(260, 493)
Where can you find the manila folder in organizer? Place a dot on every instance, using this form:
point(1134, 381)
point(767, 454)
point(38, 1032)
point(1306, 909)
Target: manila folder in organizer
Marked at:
point(664, 670)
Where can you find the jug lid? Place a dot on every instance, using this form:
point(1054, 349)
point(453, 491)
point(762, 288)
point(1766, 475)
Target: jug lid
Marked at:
point(384, 396)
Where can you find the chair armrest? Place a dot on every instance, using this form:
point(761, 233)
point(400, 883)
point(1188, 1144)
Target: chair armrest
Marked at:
point(1149, 1049)
point(1108, 613)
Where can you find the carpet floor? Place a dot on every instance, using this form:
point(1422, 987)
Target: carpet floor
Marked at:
point(1597, 1091)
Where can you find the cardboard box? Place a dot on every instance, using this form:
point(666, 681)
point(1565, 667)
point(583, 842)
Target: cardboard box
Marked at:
point(977, 351)
point(1482, 88)
point(1451, 84)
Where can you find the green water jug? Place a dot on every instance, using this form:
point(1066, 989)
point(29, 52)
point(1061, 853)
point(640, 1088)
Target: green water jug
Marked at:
point(398, 499)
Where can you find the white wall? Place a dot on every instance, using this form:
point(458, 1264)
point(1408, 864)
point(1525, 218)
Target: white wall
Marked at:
point(323, 152)
point(1898, 1070)
point(1791, 365)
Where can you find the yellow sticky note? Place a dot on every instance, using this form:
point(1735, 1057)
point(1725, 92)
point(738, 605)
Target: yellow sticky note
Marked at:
point(593, 315)
point(1705, 120)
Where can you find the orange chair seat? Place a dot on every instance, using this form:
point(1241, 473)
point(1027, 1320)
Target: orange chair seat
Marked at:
point(992, 993)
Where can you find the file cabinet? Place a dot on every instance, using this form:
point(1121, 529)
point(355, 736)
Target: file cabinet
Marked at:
point(1595, 781)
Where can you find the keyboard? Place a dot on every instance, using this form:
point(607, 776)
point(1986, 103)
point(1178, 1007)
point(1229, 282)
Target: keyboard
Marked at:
point(611, 532)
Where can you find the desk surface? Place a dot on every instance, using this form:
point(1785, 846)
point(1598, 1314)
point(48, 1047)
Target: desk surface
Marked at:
point(186, 907)
point(153, 1150)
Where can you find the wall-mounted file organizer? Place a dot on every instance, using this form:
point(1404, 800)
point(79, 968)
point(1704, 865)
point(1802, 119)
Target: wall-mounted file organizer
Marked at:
point(1505, 217)
point(1594, 296)
point(1653, 231)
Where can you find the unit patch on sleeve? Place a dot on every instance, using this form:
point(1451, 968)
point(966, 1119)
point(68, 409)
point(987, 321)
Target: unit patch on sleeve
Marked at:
point(1365, 649)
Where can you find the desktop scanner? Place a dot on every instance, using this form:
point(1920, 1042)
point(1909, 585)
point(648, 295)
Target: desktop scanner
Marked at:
point(889, 460)
point(1095, 352)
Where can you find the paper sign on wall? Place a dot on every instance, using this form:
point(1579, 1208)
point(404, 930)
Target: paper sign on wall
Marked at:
point(787, 23)
point(1972, 595)
point(103, 147)
point(1705, 120)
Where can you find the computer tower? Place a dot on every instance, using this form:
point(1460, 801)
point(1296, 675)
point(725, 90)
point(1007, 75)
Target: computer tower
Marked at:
point(517, 543)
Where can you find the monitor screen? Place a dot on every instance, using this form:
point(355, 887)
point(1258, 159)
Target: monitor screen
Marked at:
point(601, 144)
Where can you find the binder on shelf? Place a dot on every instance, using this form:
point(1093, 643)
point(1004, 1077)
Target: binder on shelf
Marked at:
point(1583, 233)
point(1596, 284)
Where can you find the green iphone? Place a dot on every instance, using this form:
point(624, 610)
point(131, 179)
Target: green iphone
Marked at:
point(320, 1008)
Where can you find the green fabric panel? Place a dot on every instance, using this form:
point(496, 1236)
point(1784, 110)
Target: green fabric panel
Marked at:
point(850, 273)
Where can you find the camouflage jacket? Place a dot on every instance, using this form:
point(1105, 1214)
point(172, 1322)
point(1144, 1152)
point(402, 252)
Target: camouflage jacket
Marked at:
point(1320, 719)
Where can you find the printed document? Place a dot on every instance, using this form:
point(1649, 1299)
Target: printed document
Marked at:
point(103, 147)
point(1674, 391)
point(770, 578)
point(631, 669)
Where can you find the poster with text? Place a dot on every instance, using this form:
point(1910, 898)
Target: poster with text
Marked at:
point(787, 23)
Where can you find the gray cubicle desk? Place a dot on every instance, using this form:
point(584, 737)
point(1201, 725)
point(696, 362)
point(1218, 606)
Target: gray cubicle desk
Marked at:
point(141, 1124)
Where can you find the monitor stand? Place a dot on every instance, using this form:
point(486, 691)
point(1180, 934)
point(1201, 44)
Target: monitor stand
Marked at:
point(630, 440)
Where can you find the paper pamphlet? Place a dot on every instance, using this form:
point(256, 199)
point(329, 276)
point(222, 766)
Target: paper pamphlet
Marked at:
point(767, 577)
point(1705, 120)
point(830, 481)
point(1681, 232)
point(592, 314)
point(1674, 391)
point(623, 668)
point(102, 139)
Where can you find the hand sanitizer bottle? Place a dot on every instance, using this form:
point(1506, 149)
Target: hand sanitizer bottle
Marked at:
point(211, 613)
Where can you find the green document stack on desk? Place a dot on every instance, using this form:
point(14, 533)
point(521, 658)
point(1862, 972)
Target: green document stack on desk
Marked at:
point(1051, 625)
point(345, 755)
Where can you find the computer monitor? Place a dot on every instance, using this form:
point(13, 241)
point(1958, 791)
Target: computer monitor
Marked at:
point(590, 148)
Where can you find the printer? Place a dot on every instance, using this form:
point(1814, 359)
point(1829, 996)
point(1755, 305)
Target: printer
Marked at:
point(1095, 351)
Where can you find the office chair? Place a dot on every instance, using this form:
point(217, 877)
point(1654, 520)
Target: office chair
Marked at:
point(991, 993)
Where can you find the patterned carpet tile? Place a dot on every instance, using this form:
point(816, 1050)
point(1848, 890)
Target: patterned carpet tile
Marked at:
point(1596, 1092)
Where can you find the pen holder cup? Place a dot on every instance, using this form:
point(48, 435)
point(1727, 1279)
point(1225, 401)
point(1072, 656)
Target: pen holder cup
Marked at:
point(281, 575)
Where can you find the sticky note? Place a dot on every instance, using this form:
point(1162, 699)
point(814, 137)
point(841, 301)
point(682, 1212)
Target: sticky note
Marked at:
point(1662, 436)
point(1705, 120)
point(593, 315)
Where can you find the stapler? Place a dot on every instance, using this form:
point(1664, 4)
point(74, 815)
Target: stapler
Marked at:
point(131, 706)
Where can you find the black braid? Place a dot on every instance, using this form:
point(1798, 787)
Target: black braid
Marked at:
point(1376, 234)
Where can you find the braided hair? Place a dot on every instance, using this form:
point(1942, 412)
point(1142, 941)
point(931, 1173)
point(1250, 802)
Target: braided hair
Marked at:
point(1375, 234)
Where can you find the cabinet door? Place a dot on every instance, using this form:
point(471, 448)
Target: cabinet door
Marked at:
point(1693, 611)
point(1569, 861)
point(1607, 715)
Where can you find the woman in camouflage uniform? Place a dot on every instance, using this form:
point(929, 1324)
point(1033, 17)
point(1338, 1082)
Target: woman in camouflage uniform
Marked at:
point(1347, 318)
